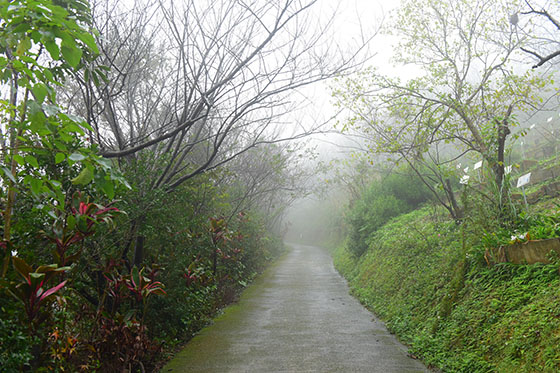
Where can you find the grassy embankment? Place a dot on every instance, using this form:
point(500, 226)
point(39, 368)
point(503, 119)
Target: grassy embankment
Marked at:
point(456, 312)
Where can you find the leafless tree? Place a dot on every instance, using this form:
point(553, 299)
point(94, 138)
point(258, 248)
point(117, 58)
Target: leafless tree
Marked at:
point(268, 179)
point(197, 83)
point(183, 87)
point(544, 43)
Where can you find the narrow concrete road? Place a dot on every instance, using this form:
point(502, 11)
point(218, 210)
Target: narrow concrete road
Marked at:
point(298, 317)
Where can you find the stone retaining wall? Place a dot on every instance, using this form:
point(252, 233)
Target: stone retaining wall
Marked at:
point(541, 175)
point(530, 252)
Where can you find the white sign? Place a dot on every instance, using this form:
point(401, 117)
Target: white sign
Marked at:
point(507, 170)
point(524, 180)
point(477, 165)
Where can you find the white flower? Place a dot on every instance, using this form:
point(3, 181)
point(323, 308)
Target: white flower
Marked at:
point(532, 126)
point(14, 252)
point(466, 169)
point(549, 120)
point(464, 180)
point(458, 166)
point(519, 237)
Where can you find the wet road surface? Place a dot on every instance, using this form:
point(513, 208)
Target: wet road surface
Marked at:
point(298, 317)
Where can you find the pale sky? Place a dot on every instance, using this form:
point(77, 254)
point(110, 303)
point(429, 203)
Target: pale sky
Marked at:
point(355, 19)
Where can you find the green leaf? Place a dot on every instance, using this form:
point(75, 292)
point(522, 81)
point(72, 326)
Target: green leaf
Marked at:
point(23, 46)
point(72, 55)
point(60, 146)
point(89, 41)
point(36, 36)
point(75, 118)
point(36, 186)
point(22, 28)
point(19, 159)
point(109, 189)
point(49, 76)
point(59, 157)
point(32, 161)
point(71, 222)
point(34, 107)
point(95, 78)
point(102, 74)
point(73, 127)
point(40, 92)
point(53, 49)
point(9, 174)
point(65, 137)
point(135, 276)
point(82, 223)
point(36, 275)
point(85, 177)
point(51, 109)
point(86, 125)
point(76, 157)
point(38, 123)
point(105, 163)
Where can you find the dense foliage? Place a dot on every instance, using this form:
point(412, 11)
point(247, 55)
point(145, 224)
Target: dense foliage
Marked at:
point(429, 279)
point(98, 270)
point(196, 263)
point(396, 193)
point(442, 284)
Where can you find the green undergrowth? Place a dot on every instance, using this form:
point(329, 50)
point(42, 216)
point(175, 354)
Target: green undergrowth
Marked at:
point(454, 311)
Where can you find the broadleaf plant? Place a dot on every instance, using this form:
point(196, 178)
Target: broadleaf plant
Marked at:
point(42, 43)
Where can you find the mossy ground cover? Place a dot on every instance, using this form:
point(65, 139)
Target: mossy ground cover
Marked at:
point(454, 311)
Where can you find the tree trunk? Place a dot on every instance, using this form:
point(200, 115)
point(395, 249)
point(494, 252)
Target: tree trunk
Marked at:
point(457, 211)
point(498, 167)
point(139, 251)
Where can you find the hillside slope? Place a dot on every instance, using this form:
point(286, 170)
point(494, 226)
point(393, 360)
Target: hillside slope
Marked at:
point(457, 313)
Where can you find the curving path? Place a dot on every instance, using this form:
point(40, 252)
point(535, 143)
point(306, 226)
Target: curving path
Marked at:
point(298, 317)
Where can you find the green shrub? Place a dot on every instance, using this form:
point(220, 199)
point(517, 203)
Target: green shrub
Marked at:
point(454, 311)
point(15, 344)
point(382, 201)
